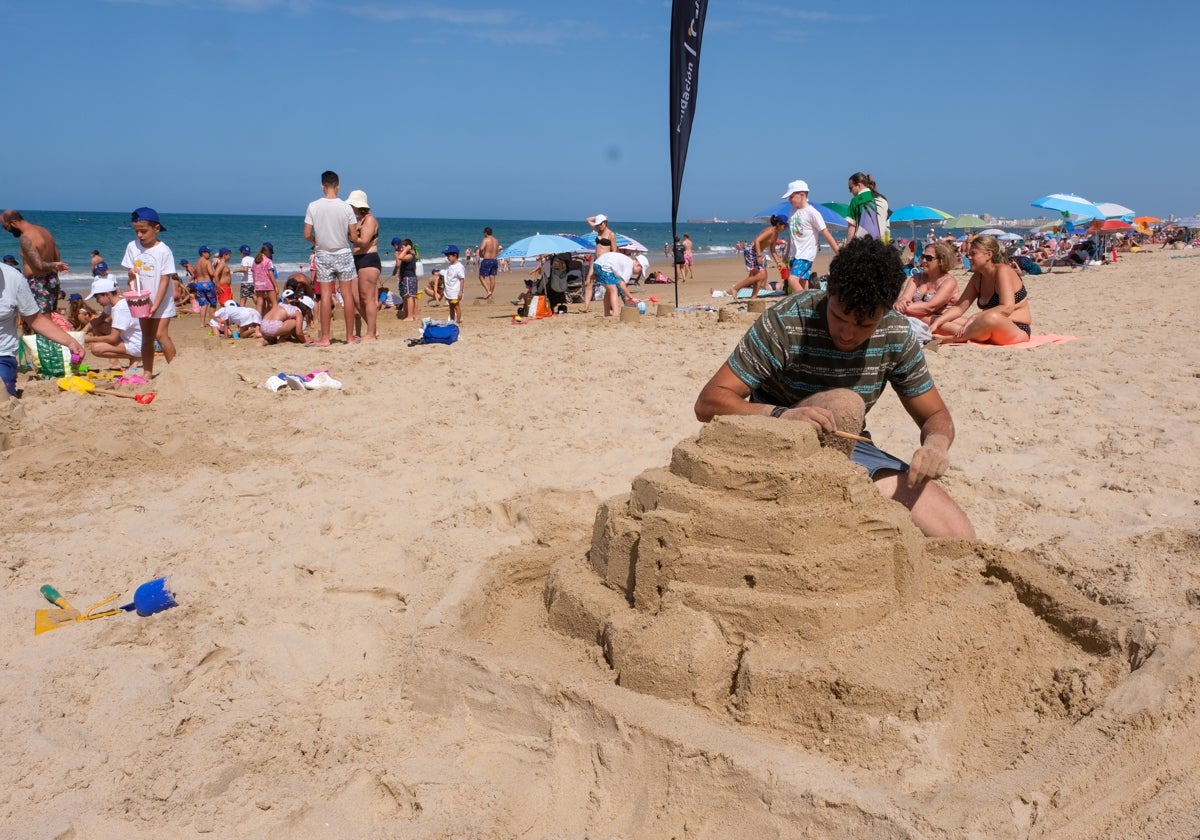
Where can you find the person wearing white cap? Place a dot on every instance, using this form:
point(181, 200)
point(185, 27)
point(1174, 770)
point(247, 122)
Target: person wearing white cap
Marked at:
point(606, 243)
point(120, 335)
point(234, 321)
point(286, 320)
point(614, 270)
point(803, 226)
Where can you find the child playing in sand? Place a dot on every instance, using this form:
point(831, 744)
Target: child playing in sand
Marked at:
point(286, 321)
point(453, 276)
point(151, 264)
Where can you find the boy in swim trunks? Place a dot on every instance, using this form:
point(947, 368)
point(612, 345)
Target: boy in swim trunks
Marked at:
point(206, 290)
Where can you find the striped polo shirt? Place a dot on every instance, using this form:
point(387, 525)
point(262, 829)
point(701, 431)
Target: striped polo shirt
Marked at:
point(788, 355)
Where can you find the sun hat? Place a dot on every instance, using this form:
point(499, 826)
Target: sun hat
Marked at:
point(204, 249)
point(795, 187)
point(358, 198)
point(101, 285)
point(450, 249)
point(101, 266)
point(146, 214)
point(599, 219)
point(245, 249)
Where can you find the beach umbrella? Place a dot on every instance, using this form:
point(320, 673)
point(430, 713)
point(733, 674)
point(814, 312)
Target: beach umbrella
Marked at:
point(624, 243)
point(967, 221)
point(1189, 222)
point(1069, 204)
point(1114, 211)
point(991, 232)
point(918, 213)
point(1108, 225)
point(1146, 220)
point(784, 208)
point(1010, 237)
point(541, 244)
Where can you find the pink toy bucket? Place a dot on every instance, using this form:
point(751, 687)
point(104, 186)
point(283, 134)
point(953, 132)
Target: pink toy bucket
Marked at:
point(139, 304)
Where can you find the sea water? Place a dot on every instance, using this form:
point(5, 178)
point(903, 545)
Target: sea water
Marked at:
point(78, 233)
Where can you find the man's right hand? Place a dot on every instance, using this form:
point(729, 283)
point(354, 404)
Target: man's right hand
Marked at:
point(819, 418)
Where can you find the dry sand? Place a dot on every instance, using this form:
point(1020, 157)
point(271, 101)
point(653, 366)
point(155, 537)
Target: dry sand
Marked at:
point(400, 615)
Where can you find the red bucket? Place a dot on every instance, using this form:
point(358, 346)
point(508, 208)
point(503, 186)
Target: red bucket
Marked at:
point(783, 272)
point(139, 304)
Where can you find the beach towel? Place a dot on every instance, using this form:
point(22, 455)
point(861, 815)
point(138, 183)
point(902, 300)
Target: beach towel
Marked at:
point(1035, 341)
point(745, 293)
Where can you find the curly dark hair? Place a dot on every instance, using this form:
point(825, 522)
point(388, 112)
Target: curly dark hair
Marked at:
point(866, 276)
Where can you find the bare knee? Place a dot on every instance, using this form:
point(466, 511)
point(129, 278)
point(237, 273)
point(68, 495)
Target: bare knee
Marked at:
point(848, 407)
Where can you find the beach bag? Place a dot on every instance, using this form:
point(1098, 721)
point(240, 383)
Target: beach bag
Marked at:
point(440, 333)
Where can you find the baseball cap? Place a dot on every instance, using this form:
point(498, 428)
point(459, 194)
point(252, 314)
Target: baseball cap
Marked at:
point(75, 296)
point(9, 258)
point(101, 285)
point(231, 304)
point(287, 293)
point(269, 247)
point(599, 219)
point(184, 262)
point(396, 240)
point(644, 263)
point(146, 214)
point(204, 249)
point(245, 249)
point(223, 252)
point(450, 249)
point(101, 266)
point(795, 187)
point(309, 302)
point(358, 198)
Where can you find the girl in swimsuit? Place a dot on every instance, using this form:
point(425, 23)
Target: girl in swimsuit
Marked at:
point(286, 321)
point(1004, 316)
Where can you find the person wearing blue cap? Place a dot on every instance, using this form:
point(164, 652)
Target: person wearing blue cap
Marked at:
point(246, 280)
point(206, 290)
point(223, 276)
point(9, 259)
point(151, 264)
point(453, 276)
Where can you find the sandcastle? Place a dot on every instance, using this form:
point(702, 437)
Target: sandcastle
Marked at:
point(763, 578)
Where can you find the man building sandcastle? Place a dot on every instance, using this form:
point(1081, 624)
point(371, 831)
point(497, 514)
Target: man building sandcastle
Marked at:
point(823, 358)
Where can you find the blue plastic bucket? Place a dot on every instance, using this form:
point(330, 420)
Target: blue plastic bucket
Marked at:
point(153, 596)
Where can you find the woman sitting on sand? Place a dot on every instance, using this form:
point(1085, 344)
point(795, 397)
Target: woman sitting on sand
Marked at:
point(1004, 316)
point(286, 322)
point(930, 290)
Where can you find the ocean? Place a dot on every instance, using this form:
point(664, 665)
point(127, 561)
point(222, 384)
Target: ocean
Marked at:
point(78, 233)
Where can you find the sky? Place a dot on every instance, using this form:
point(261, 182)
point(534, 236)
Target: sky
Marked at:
point(553, 109)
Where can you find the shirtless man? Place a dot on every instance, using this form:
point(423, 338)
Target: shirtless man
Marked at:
point(687, 257)
point(606, 243)
point(488, 249)
point(40, 257)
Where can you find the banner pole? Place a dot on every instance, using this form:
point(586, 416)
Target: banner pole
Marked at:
point(687, 31)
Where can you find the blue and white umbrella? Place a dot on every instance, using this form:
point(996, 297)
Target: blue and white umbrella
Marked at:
point(624, 243)
point(918, 213)
point(541, 244)
point(784, 208)
point(1069, 204)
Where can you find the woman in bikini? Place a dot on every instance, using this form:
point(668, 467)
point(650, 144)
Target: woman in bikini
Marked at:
point(606, 243)
point(931, 289)
point(1004, 316)
point(365, 241)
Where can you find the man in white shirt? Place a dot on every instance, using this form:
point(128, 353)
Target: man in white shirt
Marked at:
point(123, 339)
point(327, 225)
point(17, 303)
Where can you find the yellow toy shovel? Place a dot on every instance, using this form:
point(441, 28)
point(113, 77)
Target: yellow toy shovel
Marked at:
point(45, 620)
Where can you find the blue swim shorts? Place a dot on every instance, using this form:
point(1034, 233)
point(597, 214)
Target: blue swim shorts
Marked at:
point(800, 268)
point(606, 277)
point(206, 293)
point(488, 268)
point(8, 373)
point(873, 459)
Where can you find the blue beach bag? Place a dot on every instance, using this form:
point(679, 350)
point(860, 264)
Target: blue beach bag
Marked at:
point(440, 333)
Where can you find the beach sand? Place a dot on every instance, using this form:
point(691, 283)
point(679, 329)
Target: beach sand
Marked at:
point(362, 646)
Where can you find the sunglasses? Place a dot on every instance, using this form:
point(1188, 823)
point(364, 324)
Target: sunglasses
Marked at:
point(928, 257)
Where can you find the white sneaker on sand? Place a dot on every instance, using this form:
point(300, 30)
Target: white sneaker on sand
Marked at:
point(321, 380)
point(274, 384)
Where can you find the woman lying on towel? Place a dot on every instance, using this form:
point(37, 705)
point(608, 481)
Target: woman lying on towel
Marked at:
point(1003, 317)
point(930, 290)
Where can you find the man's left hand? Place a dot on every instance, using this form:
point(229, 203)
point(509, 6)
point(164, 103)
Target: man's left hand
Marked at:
point(928, 463)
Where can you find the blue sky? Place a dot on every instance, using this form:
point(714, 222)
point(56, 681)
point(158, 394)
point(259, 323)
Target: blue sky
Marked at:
point(557, 109)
